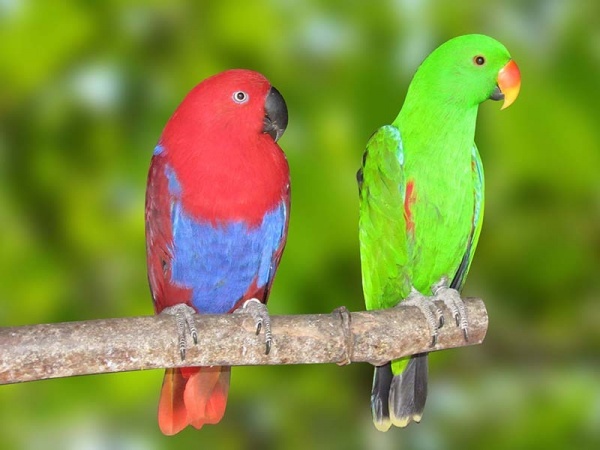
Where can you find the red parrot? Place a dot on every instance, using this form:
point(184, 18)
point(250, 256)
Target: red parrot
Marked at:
point(217, 212)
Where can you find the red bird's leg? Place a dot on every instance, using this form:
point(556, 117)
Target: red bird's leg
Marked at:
point(433, 314)
point(259, 312)
point(184, 318)
point(451, 298)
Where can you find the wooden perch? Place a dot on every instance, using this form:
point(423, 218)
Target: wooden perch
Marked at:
point(55, 350)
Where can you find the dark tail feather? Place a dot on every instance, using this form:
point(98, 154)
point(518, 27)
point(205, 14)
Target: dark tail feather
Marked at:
point(380, 395)
point(400, 399)
point(408, 392)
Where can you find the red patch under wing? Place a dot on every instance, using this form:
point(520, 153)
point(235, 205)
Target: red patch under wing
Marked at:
point(409, 199)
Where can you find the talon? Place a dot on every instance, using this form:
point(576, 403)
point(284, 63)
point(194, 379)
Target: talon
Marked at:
point(452, 300)
point(433, 314)
point(260, 314)
point(184, 319)
point(268, 337)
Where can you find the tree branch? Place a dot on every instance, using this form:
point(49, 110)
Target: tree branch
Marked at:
point(44, 351)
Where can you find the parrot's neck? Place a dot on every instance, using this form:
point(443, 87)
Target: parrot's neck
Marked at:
point(443, 132)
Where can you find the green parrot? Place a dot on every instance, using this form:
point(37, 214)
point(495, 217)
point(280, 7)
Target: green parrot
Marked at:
point(421, 204)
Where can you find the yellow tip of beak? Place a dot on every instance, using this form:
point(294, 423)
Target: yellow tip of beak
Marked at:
point(509, 82)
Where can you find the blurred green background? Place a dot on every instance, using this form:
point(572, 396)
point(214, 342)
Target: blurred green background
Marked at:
point(85, 89)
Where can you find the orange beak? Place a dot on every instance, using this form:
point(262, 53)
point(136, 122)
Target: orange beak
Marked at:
point(509, 82)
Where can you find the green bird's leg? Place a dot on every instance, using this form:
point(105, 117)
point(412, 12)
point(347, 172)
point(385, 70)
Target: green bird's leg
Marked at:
point(451, 298)
point(433, 314)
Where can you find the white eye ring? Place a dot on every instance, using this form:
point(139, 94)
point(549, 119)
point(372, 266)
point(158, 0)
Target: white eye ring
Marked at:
point(240, 97)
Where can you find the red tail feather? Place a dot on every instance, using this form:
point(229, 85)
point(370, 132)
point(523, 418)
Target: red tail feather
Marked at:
point(172, 417)
point(192, 396)
point(215, 406)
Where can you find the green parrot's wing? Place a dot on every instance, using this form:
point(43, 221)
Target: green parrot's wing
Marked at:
point(383, 241)
point(478, 191)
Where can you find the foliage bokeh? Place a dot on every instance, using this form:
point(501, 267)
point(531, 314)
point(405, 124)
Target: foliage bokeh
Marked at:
point(86, 88)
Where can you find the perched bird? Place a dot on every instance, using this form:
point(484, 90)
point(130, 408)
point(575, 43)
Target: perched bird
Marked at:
point(217, 211)
point(421, 204)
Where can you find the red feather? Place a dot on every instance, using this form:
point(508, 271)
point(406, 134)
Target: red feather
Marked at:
point(172, 415)
point(159, 238)
point(204, 394)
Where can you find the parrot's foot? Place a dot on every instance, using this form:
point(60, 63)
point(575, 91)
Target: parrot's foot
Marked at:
point(259, 312)
point(451, 298)
point(433, 314)
point(184, 318)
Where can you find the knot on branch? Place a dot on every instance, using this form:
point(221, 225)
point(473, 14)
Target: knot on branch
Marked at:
point(347, 337)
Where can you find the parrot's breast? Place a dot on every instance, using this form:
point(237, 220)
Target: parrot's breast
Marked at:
point(220, 262)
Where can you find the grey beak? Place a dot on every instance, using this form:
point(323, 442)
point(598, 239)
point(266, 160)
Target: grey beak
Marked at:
point(276, 114)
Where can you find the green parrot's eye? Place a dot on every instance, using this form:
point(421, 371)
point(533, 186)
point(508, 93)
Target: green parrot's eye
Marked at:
point(479, 60)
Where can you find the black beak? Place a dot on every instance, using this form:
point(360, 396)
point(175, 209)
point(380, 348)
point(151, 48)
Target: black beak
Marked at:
point(276, 115)
point(497, 94)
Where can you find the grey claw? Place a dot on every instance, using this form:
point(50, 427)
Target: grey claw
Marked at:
point(433, 314)
point(268, 337)
point(184, 319)
point(452, 300)
point(259, 312)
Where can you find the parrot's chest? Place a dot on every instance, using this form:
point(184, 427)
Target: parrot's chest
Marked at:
point(221, 263)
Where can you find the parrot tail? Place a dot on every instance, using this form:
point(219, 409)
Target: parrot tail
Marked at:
point(192, 396)
point(399, 399)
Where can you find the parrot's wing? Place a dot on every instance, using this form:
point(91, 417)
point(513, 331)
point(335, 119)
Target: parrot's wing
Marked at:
point(159, 234)
point(478, 191)
point(383, 225)
point(275, 256)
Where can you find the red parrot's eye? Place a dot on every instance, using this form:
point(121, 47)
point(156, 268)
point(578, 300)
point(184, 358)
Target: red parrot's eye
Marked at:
point(479, 60)
point(240, 97)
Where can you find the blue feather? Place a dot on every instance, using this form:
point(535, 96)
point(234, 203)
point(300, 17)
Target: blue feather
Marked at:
point(220, 263)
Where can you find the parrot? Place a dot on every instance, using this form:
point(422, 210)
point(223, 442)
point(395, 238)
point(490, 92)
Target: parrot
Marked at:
point(217, 214)
point(421, 204)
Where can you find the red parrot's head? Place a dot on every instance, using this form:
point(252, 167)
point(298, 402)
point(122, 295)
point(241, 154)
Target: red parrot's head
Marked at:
point(240, 102)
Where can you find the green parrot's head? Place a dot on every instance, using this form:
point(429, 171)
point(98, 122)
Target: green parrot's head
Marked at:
point(468, 70)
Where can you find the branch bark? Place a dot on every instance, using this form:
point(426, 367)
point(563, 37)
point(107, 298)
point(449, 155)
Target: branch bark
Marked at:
point(44, 351)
